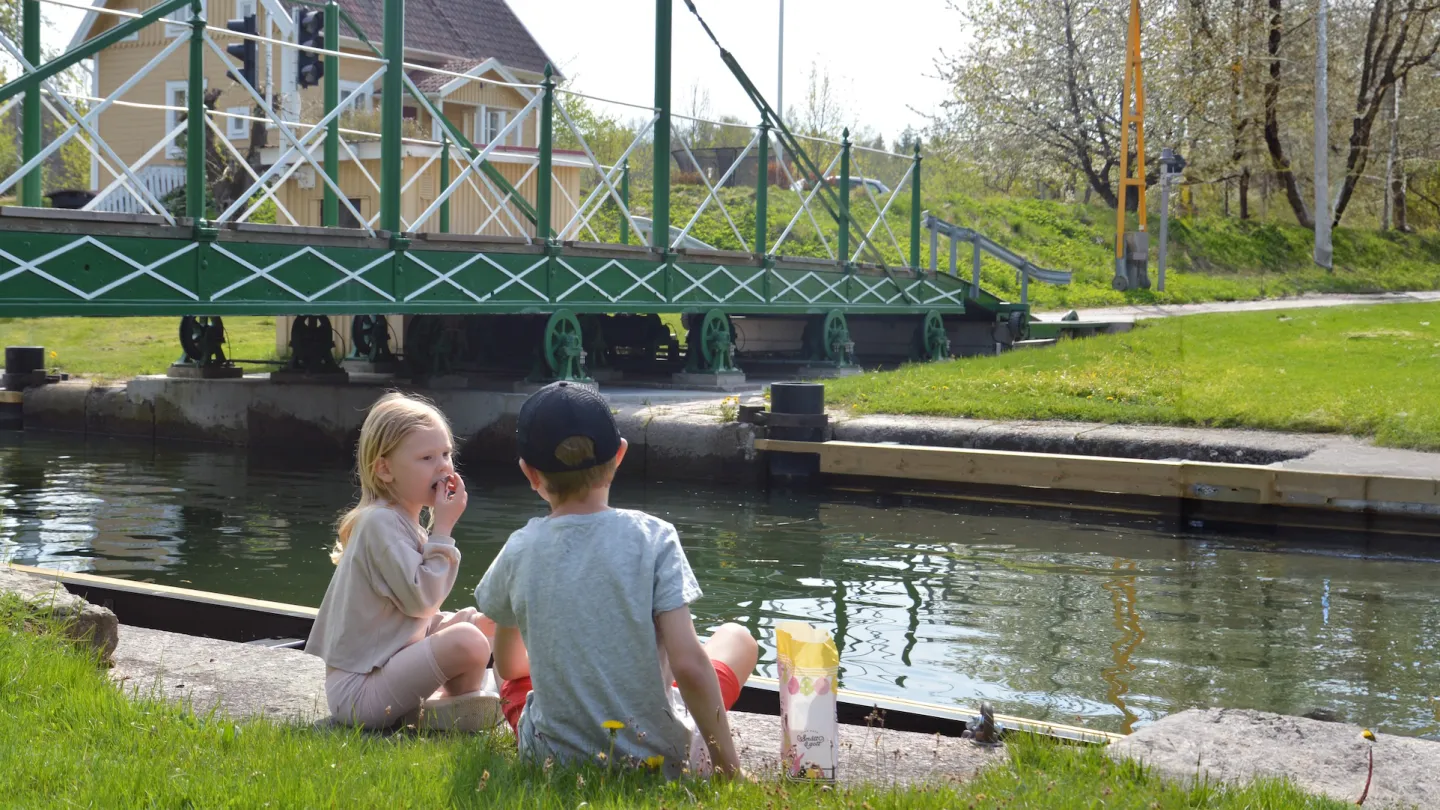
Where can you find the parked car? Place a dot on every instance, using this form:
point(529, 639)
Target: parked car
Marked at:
point(855, 182)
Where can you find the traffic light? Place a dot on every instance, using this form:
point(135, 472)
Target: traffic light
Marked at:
point(245, 50)
point(310, 33)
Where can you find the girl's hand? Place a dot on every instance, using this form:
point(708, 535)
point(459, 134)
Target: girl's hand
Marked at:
point(450, 502)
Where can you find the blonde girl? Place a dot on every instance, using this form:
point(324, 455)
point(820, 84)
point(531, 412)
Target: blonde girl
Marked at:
point(386, 645)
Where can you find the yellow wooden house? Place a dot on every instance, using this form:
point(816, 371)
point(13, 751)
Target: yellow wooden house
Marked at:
point(468, 41)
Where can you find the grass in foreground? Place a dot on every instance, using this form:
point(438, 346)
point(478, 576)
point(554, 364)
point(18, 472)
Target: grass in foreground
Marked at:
point(1366, 371)
point(121, 348)
point(67, 734)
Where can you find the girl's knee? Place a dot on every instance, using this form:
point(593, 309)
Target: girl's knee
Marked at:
point(469, 643)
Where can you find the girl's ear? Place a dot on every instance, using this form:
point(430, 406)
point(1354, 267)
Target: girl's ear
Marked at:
point(382, 470)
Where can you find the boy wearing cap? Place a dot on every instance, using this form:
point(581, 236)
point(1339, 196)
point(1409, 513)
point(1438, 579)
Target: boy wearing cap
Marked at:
point(592, 603)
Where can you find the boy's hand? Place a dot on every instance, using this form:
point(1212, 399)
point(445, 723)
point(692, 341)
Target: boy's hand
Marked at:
point(450, 502)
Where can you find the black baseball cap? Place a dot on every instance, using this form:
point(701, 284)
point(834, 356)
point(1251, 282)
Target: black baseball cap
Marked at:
point(558, 412)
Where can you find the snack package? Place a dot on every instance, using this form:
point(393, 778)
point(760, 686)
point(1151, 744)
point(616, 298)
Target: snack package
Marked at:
point(810, 735)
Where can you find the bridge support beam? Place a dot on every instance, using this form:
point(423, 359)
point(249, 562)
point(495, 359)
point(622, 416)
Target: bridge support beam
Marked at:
point(330, 209)
point(915, 213)
point(762, 191)
point(31, 139)
point(195, 195)
point(545, 175)
point(660, 215)
point(392, 117)
point(844, 252)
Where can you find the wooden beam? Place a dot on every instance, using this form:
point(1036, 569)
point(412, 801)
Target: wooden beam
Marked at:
point(1186, 480)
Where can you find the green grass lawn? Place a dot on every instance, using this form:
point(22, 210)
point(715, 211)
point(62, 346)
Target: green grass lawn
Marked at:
point(68, 736)
point(120, 348)
point(1367, 371)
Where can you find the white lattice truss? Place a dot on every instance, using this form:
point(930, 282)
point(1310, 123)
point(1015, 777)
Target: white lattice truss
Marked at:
point(34, 266)
point(264, 273)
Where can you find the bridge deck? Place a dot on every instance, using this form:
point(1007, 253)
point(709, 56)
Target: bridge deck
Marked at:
point(60, 262)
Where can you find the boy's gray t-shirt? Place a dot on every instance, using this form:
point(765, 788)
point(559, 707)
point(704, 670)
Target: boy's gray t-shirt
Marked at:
point(584, 591)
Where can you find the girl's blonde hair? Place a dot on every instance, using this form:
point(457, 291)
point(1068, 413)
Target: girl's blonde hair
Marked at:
point(392, 418)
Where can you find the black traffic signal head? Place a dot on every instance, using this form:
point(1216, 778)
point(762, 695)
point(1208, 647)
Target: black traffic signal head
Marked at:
point(309, 33)
point(245, 50)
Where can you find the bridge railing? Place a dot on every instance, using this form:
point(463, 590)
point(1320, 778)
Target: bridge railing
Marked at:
point(840, 200)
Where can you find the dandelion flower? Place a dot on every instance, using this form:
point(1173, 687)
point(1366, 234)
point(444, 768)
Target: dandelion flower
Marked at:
point(655, 761)
point(613, 725)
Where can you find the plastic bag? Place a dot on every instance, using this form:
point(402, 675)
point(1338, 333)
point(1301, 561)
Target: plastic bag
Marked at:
point(810, 735)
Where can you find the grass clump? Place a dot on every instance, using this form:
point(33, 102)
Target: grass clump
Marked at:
point(121, 348)
point(1366, 371)
point(68, 735)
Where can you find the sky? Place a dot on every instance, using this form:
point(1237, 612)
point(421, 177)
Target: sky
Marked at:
point(881, 63)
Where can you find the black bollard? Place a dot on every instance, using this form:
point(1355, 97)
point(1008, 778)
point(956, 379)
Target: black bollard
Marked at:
point(797, 413)
point(24, 367)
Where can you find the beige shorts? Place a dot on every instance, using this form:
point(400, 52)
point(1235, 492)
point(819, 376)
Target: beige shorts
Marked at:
point(381, 697)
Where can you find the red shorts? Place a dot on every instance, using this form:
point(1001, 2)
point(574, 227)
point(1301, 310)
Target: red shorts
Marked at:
point(513, 693)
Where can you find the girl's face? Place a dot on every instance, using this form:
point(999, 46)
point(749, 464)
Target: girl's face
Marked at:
point(422, 460)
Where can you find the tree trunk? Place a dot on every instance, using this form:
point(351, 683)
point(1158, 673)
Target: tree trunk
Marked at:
point(1244, 193)
point(1278, 160)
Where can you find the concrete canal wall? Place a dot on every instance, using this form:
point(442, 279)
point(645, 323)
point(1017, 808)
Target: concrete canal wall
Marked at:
point(671, 437)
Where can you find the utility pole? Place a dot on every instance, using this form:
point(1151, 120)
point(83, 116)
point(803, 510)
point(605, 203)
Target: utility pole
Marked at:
point(1323, 252)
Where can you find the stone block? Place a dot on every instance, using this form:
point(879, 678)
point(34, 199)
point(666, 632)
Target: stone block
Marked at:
point(81, 620)
point(724, 381)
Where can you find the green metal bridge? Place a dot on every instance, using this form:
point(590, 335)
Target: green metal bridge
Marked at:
point(525, 291)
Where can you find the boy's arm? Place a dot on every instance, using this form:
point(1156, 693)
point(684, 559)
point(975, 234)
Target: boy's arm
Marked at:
point(511, 659)
point(695, 676)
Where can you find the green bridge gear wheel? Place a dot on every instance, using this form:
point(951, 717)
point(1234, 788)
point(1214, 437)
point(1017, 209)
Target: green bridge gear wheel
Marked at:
point(370, 338)
point(932, 341)
point(312, 344)
point(202, 339)
point(563, 348)
point(710, 343)
point(838, 347)
point(432, 346)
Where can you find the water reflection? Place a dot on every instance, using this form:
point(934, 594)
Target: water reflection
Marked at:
point(1051, 614)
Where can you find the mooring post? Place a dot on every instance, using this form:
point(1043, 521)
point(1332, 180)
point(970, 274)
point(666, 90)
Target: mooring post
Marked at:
point(844, 197)
point(31, 137)
point(392, 117)
point(330, 209)
point(445, 181)
point(915, 213)
point(762, 191)
point(544, 179)
point(195, 121)
point(625, 201)
point(660, 205)
point(975, 266)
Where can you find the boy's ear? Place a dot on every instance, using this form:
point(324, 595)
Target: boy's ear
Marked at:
point(531, 475)
point(620, 454)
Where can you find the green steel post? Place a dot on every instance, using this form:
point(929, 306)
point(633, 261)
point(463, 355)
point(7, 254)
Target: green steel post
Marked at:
point(392, 116)
point(544, 180)
point(625, 200)
point(660, 215)
point(845, 198)
point(444, 184)
point(330, 212)
point(195, 122)
point(915, 213)
point(762, 191)
point(30, 37)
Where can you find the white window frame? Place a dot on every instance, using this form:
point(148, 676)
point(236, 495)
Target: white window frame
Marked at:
point(177, 22)
point(437, 131)
point(367, 94)
point(135, 37)
point(482, 132)
point(172, 117)
point(237, 129)
point(244, 8)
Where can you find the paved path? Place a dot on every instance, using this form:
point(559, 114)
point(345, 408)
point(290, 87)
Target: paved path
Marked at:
point(1141, 311)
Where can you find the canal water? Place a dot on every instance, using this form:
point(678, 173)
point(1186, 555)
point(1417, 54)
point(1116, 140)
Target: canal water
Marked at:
point(1059, 615)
